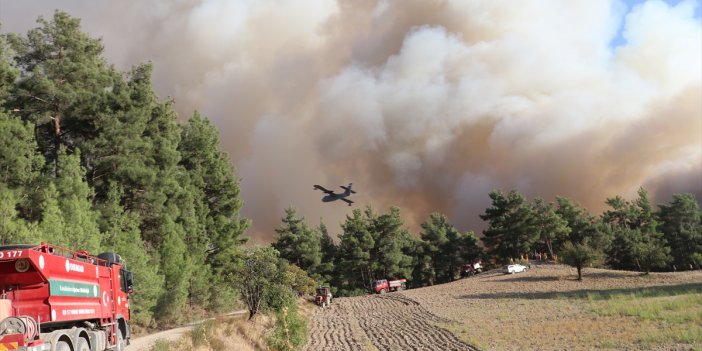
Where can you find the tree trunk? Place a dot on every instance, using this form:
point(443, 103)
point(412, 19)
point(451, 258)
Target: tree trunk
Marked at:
point(549, 244)
point(580, 273)
point(56, 124)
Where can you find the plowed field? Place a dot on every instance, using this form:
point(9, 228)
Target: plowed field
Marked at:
point(381, 322)
point(544, 308)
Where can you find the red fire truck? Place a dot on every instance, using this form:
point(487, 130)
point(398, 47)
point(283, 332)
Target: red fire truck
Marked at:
point(54, 299)
point(382, 286)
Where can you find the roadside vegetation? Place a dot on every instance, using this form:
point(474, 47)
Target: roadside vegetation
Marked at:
point(282, 331)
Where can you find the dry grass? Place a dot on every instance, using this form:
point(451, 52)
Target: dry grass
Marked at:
point(231, 333)
point(224, 334)
point(547, 309)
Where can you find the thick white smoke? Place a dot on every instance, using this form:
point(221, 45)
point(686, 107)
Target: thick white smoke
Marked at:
point(423, 104)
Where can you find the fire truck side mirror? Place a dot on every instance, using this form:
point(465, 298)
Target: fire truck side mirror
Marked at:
point(129, 277)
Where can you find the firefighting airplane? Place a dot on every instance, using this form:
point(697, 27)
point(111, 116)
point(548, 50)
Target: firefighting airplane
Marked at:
point(331, 196)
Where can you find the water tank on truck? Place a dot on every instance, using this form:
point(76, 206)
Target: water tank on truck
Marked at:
point(55, 299)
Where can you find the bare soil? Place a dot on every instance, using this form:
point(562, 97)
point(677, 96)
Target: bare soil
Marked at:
point(544, 308)
point(380, 322)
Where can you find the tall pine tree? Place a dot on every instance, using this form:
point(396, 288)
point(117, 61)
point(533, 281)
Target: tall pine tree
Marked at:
point(681, 224)
point(512, 227)
point(298, 243)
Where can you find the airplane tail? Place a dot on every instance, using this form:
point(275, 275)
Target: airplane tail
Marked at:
point(348, 189)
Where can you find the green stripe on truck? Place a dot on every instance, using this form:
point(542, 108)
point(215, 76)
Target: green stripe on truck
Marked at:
point(66, 288)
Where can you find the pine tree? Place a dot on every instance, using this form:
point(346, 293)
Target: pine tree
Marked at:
point(63, 81)
point(80, 220)
point(68, 218)
point(446, 249)
point(13, 230)
point(553, 230)
point(356, 243)
point(637, 242)
point(435, 238)
point(19, 163)
point(390, 259)
point(297, 243)
point(121, 235)
point(681, 224)
point(8, 74)
point(176, 269)
point(52, 224)
point(512, 226)
point(327, 268)
point(213, 176)
point(587, 238)
point(20, 169)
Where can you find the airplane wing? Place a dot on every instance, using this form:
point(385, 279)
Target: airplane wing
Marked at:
point(319, 187)
point(346, 200)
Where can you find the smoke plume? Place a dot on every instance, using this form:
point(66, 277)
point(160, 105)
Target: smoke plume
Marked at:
point(427, 105)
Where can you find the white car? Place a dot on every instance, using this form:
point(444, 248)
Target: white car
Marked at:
point(514, 268)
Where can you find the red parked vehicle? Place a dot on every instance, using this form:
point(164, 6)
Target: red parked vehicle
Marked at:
point(382, 286)
point(54, 299)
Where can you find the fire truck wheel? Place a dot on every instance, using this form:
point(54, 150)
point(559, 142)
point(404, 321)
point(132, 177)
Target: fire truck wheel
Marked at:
point(82, 345)
point(63, 346)
point(383, 291)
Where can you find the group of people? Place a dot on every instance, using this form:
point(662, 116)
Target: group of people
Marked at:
point(537, 256)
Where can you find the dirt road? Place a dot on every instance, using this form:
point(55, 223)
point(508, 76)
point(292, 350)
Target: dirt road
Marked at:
point(146, 342)
point(379, 322)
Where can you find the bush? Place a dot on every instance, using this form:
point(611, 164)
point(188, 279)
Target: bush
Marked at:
point(290, 330)
point(278, 297)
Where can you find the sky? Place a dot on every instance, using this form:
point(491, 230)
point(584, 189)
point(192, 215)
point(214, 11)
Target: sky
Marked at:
point(423, 104)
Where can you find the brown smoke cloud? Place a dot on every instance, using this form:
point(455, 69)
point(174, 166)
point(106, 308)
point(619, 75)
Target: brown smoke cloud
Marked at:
point(427, 105)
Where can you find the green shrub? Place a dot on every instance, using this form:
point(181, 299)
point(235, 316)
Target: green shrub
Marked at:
point(290, 330)
point(278, 297)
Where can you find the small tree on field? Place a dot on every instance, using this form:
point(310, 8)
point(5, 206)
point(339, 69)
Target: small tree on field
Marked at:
point(578, 256)
point(586, 239)
point(256, 277)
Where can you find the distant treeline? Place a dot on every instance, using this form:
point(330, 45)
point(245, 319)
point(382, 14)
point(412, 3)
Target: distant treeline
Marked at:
point(631, 235)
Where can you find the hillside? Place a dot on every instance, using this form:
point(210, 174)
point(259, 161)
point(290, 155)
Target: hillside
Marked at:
point(544, 308)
